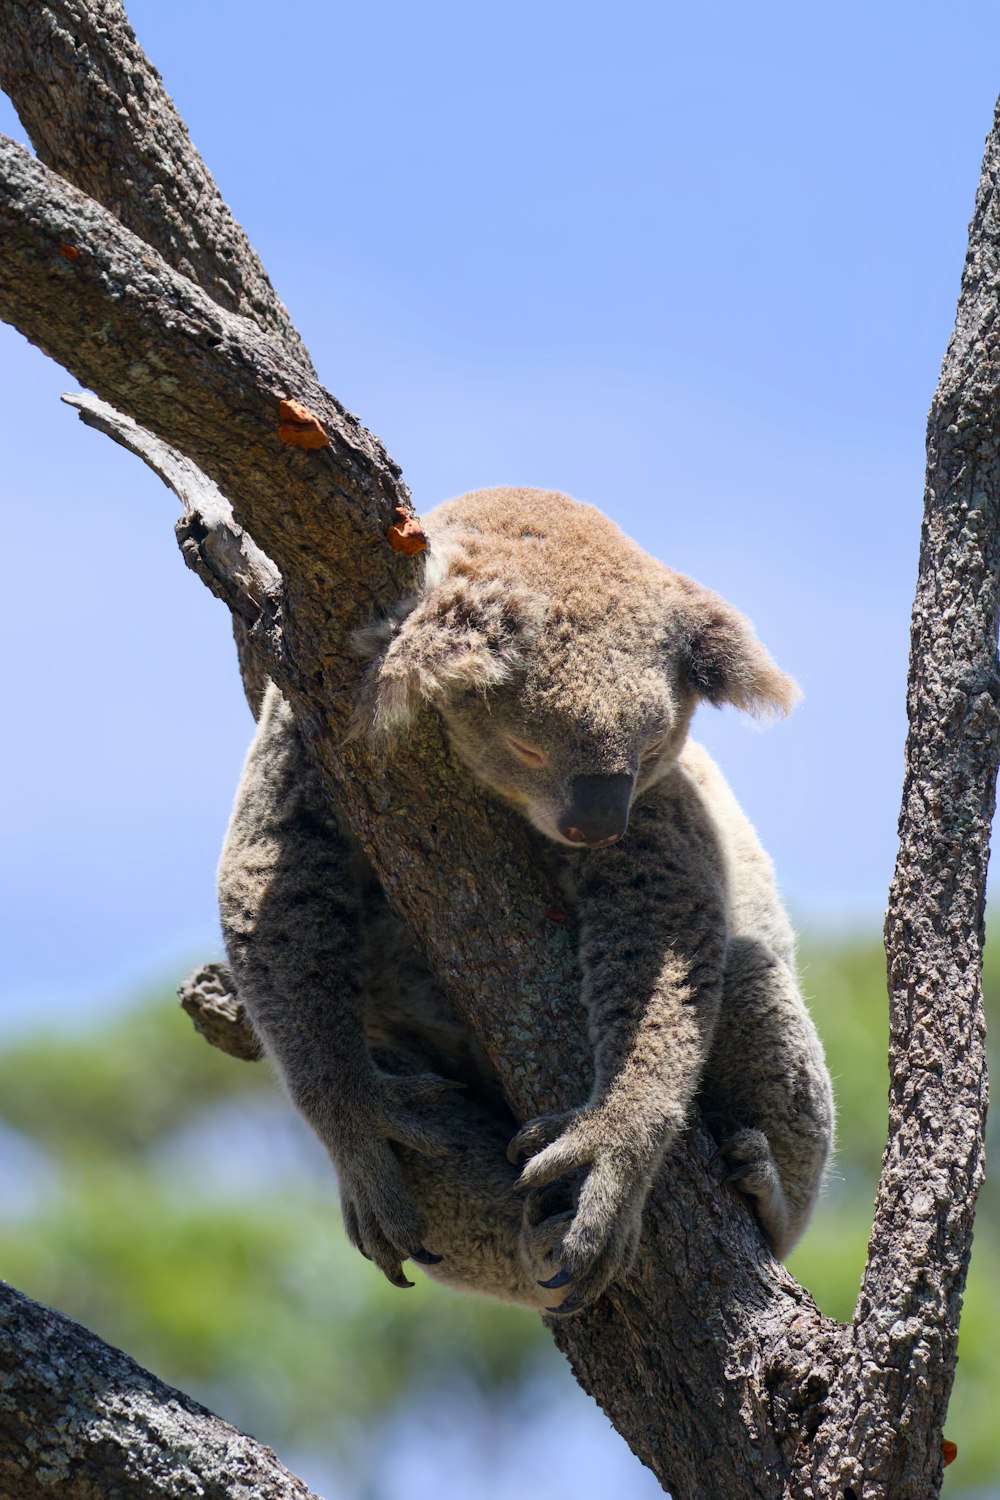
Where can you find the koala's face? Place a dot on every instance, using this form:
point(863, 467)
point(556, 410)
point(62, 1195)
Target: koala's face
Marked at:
point(565, 662)
point(572, 761)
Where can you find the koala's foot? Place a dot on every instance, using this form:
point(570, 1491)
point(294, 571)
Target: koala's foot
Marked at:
point(588, 1244)
point(754, 1172)
point(379, 1218)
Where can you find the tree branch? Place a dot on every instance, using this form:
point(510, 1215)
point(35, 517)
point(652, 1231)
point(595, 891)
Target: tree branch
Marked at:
point(906, 1322)
point(79, 1419)
point(97, 113)
point(97, 299)
point(209, 997)
point(212, 543)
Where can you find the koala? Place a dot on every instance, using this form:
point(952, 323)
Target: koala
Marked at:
point(566, 665)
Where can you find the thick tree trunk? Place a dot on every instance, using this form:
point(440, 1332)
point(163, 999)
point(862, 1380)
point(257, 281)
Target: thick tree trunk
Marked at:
point(711, 1361)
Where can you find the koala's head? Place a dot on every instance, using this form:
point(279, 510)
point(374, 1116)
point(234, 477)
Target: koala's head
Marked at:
point(566, 662)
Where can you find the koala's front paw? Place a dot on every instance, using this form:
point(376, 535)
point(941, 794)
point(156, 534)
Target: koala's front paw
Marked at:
point(379, 1218)
point(753, 1171)
point(596, 1242)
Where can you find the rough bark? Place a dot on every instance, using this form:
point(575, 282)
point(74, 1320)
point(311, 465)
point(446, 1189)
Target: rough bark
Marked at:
point(902, 1354)
point(712, 1363)
point(97, 113)
point(81, 1420)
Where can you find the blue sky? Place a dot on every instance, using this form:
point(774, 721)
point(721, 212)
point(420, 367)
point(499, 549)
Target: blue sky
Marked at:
point(697, 265)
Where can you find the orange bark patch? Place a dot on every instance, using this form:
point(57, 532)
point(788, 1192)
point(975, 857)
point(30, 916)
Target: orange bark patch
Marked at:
point(554, 914)
point(298, 426)
point(949, 1451)
point(406, 535)
point(69, 252)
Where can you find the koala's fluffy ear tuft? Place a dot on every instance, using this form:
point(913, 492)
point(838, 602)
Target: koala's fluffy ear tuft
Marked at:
point(464, 633)
point(726, 662)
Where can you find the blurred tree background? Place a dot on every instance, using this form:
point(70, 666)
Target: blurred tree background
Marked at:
point(164, 1195)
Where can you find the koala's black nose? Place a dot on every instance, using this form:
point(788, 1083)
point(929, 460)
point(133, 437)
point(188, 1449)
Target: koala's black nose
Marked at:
point(598, 809)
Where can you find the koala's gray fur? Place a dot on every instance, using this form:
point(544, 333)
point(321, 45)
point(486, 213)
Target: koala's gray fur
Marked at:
point(566, 664)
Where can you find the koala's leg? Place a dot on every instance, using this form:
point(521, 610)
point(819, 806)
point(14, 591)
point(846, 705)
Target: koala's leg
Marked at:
point(474, 1214)
point(767, 1092)
point(291, 915)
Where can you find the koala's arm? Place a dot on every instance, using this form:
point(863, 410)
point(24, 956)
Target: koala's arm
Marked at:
point(652, 914)
point(653, 951)
point(291, 913)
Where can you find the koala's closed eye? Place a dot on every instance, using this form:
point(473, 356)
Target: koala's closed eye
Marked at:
point(529, 754)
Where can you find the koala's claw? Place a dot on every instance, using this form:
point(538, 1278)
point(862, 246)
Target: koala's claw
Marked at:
point(424, 1257)
point(571, 1305)
point(743, 1175)
point(368, 1236)
point(379, 1218)
point(558, 1145)
point(751, 1165)
point(595, 1242)
point(538, 1134)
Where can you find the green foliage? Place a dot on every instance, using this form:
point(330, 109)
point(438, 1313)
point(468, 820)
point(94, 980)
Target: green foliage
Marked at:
point(844, 983)
point(261, 1310)
point(118, 1089)
point(250, 1299)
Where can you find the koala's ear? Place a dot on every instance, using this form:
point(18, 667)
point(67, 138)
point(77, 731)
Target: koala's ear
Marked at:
point(726, 662)
point(464, 633)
